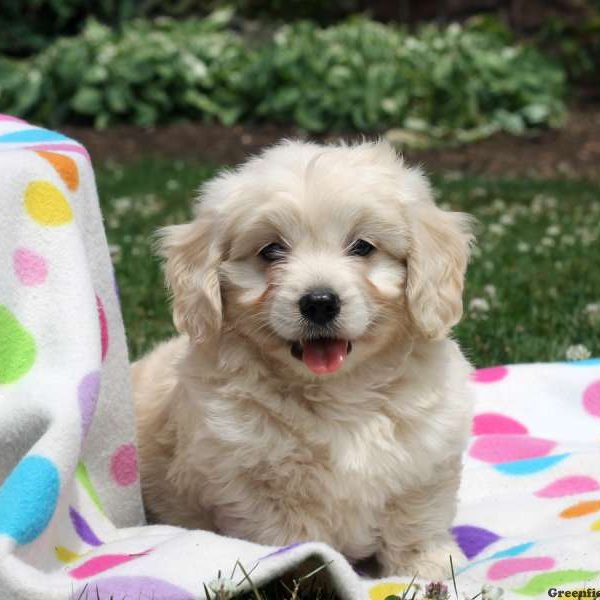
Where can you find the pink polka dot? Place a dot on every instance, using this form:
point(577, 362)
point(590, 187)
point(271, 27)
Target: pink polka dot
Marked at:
point(11, 119)
point(103, 327)
point(568, 486)
point(123, 465)
point(507, 448)
point(99, 564)
point(512, 566)
point(489, 374)
point(31, 268)
point(487, 423)
point(591, 398)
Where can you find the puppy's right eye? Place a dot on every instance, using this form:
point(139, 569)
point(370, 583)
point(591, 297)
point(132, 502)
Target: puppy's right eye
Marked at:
point(273, 252)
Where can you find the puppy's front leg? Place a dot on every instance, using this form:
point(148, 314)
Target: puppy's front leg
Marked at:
point(415, 528)
point(276, 523)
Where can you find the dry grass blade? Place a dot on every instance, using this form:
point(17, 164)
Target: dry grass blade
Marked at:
point(453, 577)
point(315, 571)
point(247, 577)
point(412, 582)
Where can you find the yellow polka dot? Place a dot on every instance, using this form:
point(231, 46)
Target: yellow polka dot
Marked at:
point(65, 555)
point(596, 525)
point(382, 590)
point(46, 204)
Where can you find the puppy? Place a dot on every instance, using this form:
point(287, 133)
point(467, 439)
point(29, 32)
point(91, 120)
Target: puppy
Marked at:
point(314, 393)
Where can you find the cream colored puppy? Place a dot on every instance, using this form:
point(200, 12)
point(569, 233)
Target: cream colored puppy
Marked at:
point(314, 393)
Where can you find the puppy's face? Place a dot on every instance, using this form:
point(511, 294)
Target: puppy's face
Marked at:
point(319, 256)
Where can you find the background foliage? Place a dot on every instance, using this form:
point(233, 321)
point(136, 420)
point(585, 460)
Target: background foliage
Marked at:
point(453, 81)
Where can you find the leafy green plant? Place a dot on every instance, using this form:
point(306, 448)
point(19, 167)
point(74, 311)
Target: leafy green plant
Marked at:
point(368, 76)
point(451, 83)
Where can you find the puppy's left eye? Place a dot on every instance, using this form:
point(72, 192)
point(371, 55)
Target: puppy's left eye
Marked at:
point(361, 248)
point(272, 252)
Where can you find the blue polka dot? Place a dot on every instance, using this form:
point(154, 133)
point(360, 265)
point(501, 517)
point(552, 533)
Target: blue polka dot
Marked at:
point(529, 466)
point(29, 136)
point(588, 362)
point(512, 551)
point(28, 498)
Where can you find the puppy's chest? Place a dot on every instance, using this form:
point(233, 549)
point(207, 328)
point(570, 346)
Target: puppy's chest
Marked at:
point(350, 462)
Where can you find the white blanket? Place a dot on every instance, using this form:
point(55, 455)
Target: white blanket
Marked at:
point(71, 518)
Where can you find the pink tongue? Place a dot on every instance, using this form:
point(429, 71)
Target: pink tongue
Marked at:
point(324, 356)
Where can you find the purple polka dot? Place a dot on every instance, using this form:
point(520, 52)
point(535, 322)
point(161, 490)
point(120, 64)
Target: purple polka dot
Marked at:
point(138, 587)
point(282, 550)
point(472, 540)
point(87, 392)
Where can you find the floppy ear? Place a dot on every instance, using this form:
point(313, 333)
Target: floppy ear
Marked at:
point(193, 257)
point(437, 262)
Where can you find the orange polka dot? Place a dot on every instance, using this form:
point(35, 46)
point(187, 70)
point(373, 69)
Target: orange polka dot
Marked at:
point(581, 509)
point(65, 166)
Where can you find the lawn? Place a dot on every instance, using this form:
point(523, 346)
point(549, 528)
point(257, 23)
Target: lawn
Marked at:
point(533, 288)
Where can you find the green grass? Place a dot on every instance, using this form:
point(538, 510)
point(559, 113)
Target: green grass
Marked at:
point(538, 246)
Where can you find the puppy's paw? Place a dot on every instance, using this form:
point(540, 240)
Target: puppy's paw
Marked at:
point(430, 562)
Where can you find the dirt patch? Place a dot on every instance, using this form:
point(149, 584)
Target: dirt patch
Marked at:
point(571, 152)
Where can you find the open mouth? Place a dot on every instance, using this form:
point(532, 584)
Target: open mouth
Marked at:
point(322, 355)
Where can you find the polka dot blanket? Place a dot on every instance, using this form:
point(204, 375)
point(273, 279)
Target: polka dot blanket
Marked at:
point(71, 518)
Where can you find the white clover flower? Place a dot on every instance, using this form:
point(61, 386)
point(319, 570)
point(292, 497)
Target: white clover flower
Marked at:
point(577, 352)
point(479, 305)
point(491, 592)
point(172, 185)
point(224, 587)
point(122, 205)
point(548, 242)
point(149, 206)
point(553, 230)
point(568, 240)
point(490, 290)
point(507, 219)
point(496, 229)
point(498, 204)
point(523, 247)
point(592, 308)
point(593, 313)
point(588, 236)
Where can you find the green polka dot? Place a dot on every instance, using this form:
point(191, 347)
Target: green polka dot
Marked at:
point(17, 348)
point(540, 584)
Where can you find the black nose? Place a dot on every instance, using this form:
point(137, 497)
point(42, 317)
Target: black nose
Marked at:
point(320, 306)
